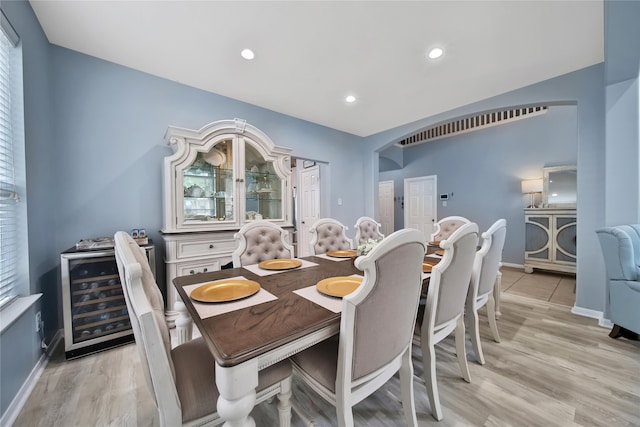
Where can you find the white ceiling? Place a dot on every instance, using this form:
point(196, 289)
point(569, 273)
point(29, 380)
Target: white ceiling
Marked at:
point(311, 54)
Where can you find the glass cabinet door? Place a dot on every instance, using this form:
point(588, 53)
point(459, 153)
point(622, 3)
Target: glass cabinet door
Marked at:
point(209, 185)
point(263, 187)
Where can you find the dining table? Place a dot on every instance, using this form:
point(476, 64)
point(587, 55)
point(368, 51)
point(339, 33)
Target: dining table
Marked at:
point(287, 315)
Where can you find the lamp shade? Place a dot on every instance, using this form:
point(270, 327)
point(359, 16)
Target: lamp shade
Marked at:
point(532, 186)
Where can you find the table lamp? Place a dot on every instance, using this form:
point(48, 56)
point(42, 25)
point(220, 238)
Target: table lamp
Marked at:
point(530, 187)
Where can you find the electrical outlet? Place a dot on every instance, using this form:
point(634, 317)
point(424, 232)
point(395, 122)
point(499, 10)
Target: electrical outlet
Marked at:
point(38, 321)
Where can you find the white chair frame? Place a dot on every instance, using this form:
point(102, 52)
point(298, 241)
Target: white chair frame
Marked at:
point(322, 221)
point(437, 230)
point(488, 272)
point(361, 220)
point(158, 367)
point(349, 393)
point(242, 241)
point(432, 333)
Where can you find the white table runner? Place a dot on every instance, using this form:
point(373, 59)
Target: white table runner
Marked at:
point(214, 309)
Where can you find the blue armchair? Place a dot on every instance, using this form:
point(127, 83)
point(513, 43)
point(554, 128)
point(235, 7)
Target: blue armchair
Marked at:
point(621, 250)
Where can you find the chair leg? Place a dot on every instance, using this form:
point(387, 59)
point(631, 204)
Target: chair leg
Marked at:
point(493, 324)
point(461, 350)
point(474, 332)
point(429, 365)
point(616, 331)
point(306, 421)
point(406, 388)
point(344, 411)
point(497, 288)
point(284, 403)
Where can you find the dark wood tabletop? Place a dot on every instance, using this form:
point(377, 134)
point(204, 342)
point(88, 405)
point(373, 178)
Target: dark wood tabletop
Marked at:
point(243, 334)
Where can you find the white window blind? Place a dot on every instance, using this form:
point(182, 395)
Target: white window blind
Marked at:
point(8, 195)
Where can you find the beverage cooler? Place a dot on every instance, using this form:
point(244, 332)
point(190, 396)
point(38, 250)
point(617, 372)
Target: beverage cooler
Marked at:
point(94, 309)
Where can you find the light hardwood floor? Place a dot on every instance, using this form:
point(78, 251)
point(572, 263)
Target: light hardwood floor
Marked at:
point(552, 368)
point(557, 288)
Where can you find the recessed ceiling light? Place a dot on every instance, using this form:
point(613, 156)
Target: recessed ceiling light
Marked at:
point(350, 99)
point(435, 53)
point(247, 54)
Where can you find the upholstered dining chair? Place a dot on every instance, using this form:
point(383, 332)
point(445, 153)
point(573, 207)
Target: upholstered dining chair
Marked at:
point(367, 228)
point(484, 277)
point(182, 379)
point(446, 226)
point(376, 330)
point(329, 234)
point(260, 241)
point(445, 305)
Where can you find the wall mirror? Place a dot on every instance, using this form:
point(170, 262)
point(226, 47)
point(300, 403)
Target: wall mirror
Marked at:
point(560, 186)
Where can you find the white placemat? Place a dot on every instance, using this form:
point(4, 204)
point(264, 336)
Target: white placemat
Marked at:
point(262, 272)
point(213, 309)
point(332, 258)
point(330, 303)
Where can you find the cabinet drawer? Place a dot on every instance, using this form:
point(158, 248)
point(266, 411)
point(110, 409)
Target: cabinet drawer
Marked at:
point(190, 249)
point(188, 268)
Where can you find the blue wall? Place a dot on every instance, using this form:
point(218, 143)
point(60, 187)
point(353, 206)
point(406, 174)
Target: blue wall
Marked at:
point(94, 136)
point(483, 170)
point(110, 123)
point(585, 89)
point(19, 343)
point(622, 69)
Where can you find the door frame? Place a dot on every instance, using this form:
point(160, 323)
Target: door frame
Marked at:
point(302, 247)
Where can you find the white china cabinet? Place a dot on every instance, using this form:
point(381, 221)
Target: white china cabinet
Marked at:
point(218, 178)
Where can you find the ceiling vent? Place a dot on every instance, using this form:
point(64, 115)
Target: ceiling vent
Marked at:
point(469, 124)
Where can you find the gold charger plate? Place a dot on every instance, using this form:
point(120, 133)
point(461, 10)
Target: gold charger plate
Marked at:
point(439, 252)
point(280, 264)
point(225, 290)
point(339, 286)
point(342, 253)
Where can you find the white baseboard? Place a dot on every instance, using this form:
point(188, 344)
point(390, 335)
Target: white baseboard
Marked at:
point(508, 264)
point(594, 314)
point(13, 410)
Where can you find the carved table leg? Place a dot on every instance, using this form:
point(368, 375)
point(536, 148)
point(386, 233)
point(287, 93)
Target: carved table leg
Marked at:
point(237, 386)
point(170, 312)
point(184, 324)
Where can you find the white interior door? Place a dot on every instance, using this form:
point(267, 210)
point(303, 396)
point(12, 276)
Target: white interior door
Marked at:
point(309, 203)
point(420, 204)
point(386, 207)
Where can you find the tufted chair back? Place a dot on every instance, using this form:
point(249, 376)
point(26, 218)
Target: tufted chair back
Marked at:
point(367, 228)
point(260, 241)
point(446, 226)
point(329, 235)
